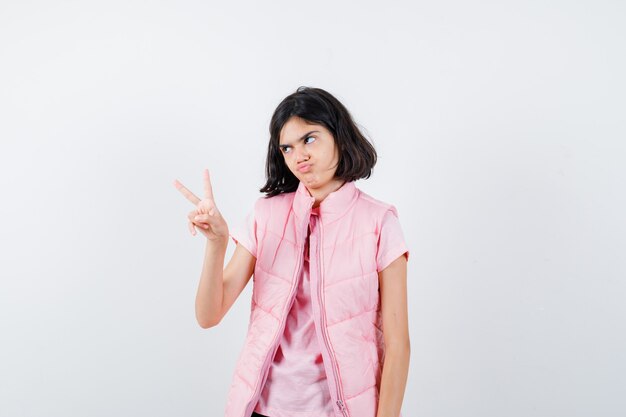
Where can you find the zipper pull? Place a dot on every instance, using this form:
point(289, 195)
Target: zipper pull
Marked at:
point(340, 405)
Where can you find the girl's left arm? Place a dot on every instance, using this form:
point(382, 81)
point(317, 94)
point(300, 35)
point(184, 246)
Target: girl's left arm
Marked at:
point(393, 298)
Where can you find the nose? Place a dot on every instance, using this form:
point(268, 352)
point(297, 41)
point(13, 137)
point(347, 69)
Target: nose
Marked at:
point(301, 155)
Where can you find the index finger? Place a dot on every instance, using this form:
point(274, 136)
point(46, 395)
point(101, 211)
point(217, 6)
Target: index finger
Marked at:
point(208, 189)
point(185, 191)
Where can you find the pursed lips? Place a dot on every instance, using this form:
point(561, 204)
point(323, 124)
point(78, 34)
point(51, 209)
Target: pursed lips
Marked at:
point(304, 167)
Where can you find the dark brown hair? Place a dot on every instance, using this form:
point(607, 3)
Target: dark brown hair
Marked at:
point(357, 155)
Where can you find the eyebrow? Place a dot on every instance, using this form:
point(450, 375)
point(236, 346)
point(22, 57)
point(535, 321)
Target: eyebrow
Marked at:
point(301, 138)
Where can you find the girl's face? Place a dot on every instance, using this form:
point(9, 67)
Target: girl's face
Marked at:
point(309, 151)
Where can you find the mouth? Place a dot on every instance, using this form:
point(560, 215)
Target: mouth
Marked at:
point(304, 167)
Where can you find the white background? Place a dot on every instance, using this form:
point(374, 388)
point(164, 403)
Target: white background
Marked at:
point(500, 133)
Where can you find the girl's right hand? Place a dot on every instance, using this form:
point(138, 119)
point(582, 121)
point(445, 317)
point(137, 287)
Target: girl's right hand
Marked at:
point(206, 217)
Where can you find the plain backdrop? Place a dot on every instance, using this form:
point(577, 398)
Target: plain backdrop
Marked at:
point(500, 133)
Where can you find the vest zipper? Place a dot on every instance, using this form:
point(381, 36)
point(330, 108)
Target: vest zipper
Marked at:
point(270, 358)
point(340, 403)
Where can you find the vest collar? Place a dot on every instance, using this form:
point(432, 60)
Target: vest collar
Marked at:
point(331, 208)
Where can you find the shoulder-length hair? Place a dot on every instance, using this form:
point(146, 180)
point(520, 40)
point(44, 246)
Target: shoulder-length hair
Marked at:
point(357, 155)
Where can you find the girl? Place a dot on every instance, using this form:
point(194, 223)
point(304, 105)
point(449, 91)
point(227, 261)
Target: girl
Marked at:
point(328, 332)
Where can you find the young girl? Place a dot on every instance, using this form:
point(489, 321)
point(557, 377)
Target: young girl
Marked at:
point(328, 332)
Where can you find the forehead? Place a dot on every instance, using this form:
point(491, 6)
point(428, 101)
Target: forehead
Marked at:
point(296, 127)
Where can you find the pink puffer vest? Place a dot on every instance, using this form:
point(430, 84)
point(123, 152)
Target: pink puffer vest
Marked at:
point(344, 295)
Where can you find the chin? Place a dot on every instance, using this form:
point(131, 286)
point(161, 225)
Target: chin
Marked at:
point(314, 182)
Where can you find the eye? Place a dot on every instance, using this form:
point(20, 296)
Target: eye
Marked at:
point(287, 148)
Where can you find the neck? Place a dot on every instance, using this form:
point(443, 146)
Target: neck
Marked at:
point(322, 192)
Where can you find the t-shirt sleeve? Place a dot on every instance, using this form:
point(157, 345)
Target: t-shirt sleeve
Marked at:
point(391, 243)
point(245, 232)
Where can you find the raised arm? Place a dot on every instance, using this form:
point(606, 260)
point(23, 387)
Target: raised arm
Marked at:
point(219, 287)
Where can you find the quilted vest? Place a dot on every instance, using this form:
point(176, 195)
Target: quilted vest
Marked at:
point(344, 295)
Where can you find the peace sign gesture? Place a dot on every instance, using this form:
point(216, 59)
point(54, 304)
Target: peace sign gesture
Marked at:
point(206, 216)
